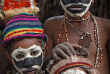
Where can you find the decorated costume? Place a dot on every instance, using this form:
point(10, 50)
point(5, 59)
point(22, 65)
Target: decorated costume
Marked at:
point(11, 8)
point(77, 11)
point(23, 24)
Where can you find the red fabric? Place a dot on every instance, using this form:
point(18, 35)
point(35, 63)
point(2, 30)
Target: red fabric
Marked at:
point(11, 4)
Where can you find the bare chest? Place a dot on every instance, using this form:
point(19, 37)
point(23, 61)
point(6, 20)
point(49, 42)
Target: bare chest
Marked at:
point(72, 36)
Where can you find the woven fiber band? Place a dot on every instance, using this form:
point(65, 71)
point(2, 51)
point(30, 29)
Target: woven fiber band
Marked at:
point(23, 25)
point(73, 62)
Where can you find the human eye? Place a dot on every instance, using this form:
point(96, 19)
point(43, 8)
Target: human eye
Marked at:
point(34, 53)
point(20, 56)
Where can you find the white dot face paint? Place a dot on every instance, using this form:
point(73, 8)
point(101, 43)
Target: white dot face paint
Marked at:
point(75, 8)
point(73, 71)
point(28, 60)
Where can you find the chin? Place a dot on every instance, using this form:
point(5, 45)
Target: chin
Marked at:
point(32, 71)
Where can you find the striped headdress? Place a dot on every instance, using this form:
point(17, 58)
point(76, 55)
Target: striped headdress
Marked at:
point(23, 25)
point(72, 62)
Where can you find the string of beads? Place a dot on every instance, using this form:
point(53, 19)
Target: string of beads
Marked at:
point(99, 52)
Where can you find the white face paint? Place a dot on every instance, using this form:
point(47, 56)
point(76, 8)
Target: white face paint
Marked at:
point(79, 11)
point(28, 59)
point(73, 71)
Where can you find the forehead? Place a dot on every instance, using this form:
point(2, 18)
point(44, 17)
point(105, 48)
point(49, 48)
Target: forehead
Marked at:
point(25, 43)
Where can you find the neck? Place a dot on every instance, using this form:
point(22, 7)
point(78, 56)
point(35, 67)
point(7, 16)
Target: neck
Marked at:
point(77, 19)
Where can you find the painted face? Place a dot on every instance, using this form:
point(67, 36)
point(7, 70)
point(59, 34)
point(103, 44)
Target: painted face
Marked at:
point(75, 8)
point(28, 61)
point(74, 71)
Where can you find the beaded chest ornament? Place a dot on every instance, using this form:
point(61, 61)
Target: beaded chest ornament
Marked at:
point(99, 51)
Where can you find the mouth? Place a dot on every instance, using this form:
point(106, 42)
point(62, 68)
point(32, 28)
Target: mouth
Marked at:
point(75, 7)
point(31, 71)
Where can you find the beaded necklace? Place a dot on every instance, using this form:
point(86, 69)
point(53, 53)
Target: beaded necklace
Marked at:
point(99, 51)
point(77, 19)
point(85, 37)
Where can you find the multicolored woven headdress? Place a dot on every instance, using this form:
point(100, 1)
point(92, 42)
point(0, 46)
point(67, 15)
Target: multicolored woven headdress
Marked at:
point(23, 25)
point(73, 62)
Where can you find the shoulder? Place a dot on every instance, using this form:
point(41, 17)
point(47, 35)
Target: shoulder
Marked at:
point(104, 24)
point(52, 23)
point(103, 21)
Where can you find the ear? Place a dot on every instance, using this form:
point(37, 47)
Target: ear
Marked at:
point(44, 51)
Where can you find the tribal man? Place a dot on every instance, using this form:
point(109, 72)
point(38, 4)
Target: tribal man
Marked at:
point(76, 30)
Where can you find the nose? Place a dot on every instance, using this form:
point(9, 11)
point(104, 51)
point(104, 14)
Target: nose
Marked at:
point(28, 62)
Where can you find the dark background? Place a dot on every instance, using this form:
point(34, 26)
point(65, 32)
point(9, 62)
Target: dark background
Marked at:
point(50, 8)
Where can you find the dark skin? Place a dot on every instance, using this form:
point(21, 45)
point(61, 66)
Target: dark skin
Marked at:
point(55, 24)
point(24, 43)
point(4, 60)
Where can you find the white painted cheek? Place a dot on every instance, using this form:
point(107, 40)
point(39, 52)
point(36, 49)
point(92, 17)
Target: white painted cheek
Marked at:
point(72, 71)
point(16, 52)
point(18, 69)
point(38, 48)
point(85, 11)
point(22, 69)
point(36, 67)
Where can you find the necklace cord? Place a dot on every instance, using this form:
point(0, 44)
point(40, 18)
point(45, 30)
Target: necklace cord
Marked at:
point(99, 51)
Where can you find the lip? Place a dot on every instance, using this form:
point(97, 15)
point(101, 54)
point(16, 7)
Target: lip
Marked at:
point(75, 7)
point(31, 71)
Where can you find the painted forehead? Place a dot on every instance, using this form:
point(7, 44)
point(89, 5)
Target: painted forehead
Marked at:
point(75, 1)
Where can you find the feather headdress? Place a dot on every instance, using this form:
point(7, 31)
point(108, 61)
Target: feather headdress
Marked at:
point(10, 8)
